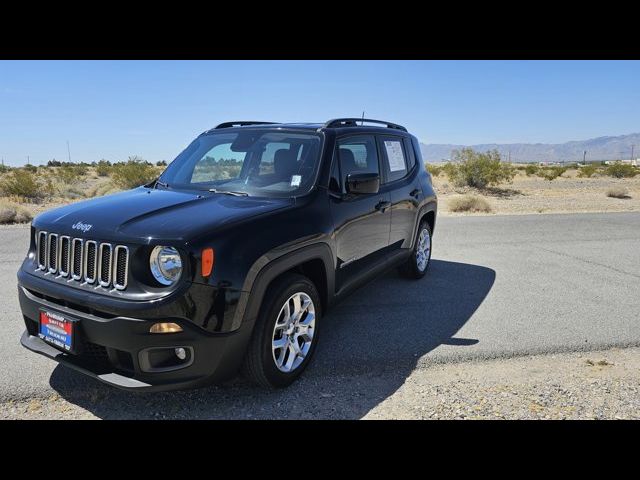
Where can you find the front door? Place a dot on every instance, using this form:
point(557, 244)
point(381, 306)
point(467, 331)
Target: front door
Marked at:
point(362, 222)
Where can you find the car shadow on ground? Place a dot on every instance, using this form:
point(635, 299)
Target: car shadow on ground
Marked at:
point(370, 343)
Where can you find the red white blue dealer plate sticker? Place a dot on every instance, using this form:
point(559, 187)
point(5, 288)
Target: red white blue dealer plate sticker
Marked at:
point(56, 329)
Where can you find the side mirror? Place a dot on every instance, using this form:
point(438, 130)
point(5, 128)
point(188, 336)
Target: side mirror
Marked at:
point(363, 183)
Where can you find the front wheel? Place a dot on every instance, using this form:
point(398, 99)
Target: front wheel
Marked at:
point(418, 262)
point(286, 332)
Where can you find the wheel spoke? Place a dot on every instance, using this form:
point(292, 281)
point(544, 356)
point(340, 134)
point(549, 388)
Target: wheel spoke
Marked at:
point(293, 332)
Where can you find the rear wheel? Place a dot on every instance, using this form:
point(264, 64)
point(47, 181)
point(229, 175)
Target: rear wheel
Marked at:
point(418, 262)
point(286, 332)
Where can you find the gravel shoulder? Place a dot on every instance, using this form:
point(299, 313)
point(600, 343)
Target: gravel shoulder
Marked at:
point(584, 385)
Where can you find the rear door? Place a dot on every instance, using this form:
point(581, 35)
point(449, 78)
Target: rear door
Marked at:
point(362, 222)
point(401, 181)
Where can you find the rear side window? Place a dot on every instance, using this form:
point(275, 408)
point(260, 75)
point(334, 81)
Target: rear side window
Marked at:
point(418, 152)
point(395, 159)
point(411, 158)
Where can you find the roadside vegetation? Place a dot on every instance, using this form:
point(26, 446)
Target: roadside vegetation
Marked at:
point(469, 203)
point(618, 192)
point(28, 190)
point(472, 175)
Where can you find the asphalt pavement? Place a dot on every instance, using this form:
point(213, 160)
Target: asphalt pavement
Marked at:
point(498, 286)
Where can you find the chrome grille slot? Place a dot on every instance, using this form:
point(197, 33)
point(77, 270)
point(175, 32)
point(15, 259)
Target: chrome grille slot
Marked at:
point(87, 261)
point(76, 248)
point(42, 250)
point(65, 247)
point(104, 265)
point(121, 267)
point(52, 253)
point(90, 253)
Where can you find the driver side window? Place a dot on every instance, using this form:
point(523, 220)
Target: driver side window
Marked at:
point(357, 154)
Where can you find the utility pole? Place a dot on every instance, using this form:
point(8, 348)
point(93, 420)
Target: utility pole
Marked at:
point(69, 151)
point(632, 147)
point(28, 160)
point(584, 158)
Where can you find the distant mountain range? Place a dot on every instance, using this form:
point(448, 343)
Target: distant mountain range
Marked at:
point(601, 148)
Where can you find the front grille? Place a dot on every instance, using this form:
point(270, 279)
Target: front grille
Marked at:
point(83, 260)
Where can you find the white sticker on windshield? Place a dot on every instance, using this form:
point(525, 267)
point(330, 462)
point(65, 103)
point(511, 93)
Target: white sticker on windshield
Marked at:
point(395, 156)
point(295, 180)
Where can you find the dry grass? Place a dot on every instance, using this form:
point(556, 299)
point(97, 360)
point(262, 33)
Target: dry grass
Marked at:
point(469, 203)
point(13, 213)
point(618, 192)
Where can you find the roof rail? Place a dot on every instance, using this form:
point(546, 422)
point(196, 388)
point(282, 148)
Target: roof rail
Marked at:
point(242, 124)
point(352, 122)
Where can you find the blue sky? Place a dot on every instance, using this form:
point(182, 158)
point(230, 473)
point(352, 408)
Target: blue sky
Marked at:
point(153, 109)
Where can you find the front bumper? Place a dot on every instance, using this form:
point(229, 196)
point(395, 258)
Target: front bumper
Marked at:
point(112, 348)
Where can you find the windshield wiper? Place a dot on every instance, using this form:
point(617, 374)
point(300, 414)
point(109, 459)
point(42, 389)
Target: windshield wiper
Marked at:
point(229, 192)
point(161, 183)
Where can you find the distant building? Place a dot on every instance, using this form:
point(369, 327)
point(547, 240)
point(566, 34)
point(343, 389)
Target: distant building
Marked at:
point(635, 162)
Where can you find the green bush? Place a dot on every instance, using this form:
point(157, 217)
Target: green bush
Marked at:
point(434, 170)
point(103, 168)
point(587, 171)
point(621, 170)
point(30, 168)
point(70, 174)
point(132, 173)
point(531, 170)
point(551, 173)
point(480, 170)
point(450, 170)
point(161, 163)
point(22, 183)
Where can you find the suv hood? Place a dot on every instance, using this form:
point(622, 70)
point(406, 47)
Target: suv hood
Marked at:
point(145, 214)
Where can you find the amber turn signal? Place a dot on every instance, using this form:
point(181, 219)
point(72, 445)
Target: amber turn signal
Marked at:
point(168, 327)
point(207, 261)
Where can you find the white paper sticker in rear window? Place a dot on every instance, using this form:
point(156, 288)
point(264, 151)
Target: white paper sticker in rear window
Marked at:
point(395, 155)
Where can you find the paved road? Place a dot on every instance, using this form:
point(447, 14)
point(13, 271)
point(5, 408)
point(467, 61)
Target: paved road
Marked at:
point(499, 286)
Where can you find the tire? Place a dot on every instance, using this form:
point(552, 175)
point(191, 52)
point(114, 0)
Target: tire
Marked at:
point(415, 267)
point(261, 360)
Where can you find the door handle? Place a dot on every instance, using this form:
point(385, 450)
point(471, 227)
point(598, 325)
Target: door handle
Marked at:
point(415, 193)
point(382, 205)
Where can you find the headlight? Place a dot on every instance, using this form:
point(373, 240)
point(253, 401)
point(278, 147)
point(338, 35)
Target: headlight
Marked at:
point(166, 265)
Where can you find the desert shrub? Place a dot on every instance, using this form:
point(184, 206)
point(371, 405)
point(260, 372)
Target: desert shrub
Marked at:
point(21, 183)
point(480, 170)
point(70, 174)
point(103, 168)
point(30, 168)
point(161, 163)
point(617, 192)
point(551, 173)
point(621, 170)
point(12, 213)
point(4, 168)
point(469, 203)
point(449, 169)
point(54, 163)
point(587, 171)
point(434, 170)
point(531, 170)
point(132, 173)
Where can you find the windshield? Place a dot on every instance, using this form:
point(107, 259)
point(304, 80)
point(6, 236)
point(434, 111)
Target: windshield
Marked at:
point(255, 162)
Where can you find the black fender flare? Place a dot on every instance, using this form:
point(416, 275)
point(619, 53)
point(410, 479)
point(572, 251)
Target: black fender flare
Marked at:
point(266, 269)
point(431, 206)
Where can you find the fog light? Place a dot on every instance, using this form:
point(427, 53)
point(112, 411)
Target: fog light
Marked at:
point(181, 353)
point(167, 327)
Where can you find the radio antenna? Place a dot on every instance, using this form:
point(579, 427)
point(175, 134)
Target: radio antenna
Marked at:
point(362, 122)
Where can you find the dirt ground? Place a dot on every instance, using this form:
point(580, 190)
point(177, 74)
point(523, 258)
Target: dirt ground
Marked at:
point(533, 195)
point(584, 385)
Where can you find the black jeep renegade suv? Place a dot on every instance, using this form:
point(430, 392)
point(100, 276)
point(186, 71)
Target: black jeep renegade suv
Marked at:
point(231, 257)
